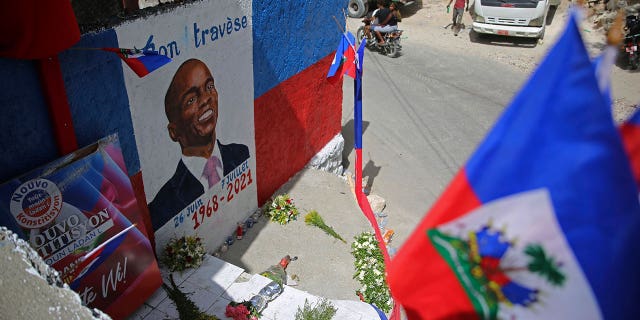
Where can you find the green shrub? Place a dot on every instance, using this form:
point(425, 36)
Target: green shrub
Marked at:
point(323, 310)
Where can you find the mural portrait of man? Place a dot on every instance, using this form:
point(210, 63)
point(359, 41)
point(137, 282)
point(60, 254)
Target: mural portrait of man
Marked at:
point(191, 107)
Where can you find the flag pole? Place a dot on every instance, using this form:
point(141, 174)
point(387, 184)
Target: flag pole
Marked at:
point(85, 49)
point(361, 199)
point(344, 32)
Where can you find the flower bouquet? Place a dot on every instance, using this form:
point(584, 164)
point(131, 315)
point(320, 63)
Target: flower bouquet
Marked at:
point(282, 210)
point(313, 218)
point(369, 271)
point(241, 311)
point(182, 253)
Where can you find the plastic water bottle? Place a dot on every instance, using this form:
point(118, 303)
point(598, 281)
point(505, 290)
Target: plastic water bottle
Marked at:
point(447, 9)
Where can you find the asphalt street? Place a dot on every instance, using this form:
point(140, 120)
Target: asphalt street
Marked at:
point(424, 113)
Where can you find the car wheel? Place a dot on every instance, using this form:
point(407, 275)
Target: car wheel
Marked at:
point(357, 8)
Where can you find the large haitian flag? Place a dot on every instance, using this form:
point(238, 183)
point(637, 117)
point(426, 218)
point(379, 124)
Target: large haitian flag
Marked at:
point(543, 221)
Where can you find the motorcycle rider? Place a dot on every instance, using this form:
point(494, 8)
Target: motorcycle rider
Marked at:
point(388, 21)
point(395, 10)
point(370, 22)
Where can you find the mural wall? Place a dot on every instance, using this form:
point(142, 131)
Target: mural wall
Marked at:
point(193, 119)
point(275, 110)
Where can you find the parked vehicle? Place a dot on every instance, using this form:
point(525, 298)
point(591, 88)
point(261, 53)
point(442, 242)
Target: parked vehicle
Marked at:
point(630, 44)
point(359, 8)
point(517, 18)
point(391, 46)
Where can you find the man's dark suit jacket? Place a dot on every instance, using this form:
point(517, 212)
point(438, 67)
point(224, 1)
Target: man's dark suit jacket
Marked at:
point(183, 188)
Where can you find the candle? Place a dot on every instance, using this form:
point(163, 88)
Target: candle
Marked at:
point(239, 232)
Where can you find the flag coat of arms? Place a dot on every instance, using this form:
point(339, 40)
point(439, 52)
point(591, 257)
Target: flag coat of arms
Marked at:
point(543, 222)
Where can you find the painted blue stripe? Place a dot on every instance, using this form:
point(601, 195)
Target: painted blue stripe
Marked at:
point(97, 94)
point(307, 35)
point(558, 133)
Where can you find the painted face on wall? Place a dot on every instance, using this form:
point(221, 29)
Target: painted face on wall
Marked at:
point(191, 105)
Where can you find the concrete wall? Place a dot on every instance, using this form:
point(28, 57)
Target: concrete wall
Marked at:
point(296, 111)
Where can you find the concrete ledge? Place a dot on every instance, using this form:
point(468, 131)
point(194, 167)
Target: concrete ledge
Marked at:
point(215, 283)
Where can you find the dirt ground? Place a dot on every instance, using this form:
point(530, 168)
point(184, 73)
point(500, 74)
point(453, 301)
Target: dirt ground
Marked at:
point(429, 23)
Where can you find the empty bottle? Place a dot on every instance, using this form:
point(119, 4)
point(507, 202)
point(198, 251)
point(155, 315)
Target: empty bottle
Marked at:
point(278, 275)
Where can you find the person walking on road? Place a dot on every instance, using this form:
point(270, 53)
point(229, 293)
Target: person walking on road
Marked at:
point(458, 12)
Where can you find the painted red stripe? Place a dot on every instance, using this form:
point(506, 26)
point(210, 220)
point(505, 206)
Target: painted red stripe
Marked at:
point(292, 123)
point(420, 279)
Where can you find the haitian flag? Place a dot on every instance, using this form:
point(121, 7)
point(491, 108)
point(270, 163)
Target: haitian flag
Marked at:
point(141, 62)
point(344, 59)
point(543, 221)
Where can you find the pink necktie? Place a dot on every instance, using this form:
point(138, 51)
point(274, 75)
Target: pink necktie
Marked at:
point(210, 171)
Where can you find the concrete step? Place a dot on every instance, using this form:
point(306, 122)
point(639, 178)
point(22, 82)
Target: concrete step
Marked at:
point(215, 283)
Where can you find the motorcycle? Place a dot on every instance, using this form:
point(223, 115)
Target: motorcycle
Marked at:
point(391, 45)
point(632, 26)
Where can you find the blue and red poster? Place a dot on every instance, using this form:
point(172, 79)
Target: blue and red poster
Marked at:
point(80, 214)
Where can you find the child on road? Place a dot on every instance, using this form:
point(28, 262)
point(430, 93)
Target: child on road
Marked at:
point(458, 11)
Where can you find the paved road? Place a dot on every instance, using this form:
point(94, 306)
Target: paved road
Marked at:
point(424, 113)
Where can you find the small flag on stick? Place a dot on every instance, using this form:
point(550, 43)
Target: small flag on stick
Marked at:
point(344, 59)
point(141, 62)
